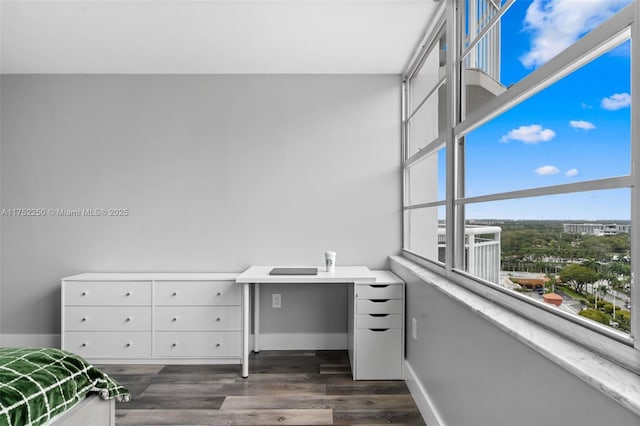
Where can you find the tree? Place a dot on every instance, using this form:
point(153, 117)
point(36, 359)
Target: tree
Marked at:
point(580, 274)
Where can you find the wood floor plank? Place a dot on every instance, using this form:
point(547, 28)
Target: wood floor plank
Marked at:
point(368, 388)
point(273, 388)
point(146, 369)
point(167, 402)
point(202, 378)
point(335, 402)
point(230, 417)
point(183, 390)
point(355, 417)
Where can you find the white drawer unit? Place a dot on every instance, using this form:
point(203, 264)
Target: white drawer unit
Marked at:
point(210, 293)
point(153, 317)
point(107, 293)
point(109, 344)
point(198, 318)
point(105, 318)
point(198, 344)
point(378, 346)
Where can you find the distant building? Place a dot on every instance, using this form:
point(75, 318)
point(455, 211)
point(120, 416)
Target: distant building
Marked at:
point(528, 279)
point(597, 229)
point(481, 249)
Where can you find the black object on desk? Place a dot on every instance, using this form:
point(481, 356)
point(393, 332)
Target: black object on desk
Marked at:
point(294, 271)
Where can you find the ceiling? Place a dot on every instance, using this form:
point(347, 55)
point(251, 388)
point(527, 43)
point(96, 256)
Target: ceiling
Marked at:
point(210, 36)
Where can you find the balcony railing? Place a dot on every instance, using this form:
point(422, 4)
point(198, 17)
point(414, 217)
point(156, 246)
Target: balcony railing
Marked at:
point(482, 41)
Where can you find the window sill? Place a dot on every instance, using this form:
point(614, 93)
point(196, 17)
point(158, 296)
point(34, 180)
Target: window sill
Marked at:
point(620, 384)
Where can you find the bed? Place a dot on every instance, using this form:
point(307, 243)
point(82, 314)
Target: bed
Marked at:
point(44, 386)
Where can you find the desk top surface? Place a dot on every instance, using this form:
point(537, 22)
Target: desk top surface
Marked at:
point(342, 274)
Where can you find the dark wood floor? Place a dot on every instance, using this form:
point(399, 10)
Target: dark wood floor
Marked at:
point(283, 388)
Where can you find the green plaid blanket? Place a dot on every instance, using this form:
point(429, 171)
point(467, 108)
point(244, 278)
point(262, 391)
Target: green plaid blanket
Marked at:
point(37, 384)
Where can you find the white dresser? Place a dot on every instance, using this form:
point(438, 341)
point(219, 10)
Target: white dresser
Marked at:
point(376, 341)
point(153, 317)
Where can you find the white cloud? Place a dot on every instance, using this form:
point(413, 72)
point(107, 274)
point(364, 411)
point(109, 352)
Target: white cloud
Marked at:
point(572, 172)
point(547, 170)
point(533, 133)
point(556, 24)
point(616, 101)
point(581, 124)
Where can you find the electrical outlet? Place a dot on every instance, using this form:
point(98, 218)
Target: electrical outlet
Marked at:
point(276, 300)
point(414, 329)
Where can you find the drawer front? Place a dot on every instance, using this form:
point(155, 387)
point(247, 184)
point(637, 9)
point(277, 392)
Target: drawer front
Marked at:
point(379, 321)
point(197, 293)
point(198, 318)
point(379, 291)
point(379, 354)
point(391, 306)
point(109, 344)
point(105, 293)
point(198, 344)
point(107, 318)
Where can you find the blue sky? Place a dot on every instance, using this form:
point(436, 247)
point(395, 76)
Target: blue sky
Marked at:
point(576, 130)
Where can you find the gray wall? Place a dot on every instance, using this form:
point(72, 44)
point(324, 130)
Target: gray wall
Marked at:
point(217, 172)
point(478, 375)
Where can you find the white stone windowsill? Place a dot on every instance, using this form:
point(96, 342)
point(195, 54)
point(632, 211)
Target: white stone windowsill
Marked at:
point(618, 383)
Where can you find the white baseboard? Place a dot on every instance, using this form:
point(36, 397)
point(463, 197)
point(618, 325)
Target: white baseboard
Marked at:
point(302, 341)
point(423, 401)
point(30, 340)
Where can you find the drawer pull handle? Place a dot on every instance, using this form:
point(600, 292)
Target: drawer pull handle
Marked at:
point(128, 294)
point(379, 300)
point(379, 315)
point(84, 344)
point(218, 319)
point(85, 319)
point(84, 293)
point(378, 329)
point(128, 319)
point(379, 285)
point(219, 294)
point(218, 345)
point(174, 344)
point(175, 293)
point(174, 319)
point(128, 345)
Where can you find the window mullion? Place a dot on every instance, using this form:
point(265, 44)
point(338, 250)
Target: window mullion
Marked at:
point(635, 190)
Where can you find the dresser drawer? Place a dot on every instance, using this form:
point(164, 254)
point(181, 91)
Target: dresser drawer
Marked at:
point(379, 354)
point(109, 344)
point(379, 291)
point(390, 306)
point(379, 321)
point(197, 293)
point(104, 293)
point(107, 318)
point(198, 344)
point(198, 318)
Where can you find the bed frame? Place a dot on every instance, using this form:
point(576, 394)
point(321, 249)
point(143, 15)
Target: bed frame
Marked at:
point(92, 411)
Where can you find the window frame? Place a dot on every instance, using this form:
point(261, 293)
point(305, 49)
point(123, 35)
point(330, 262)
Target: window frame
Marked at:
point(623, 26)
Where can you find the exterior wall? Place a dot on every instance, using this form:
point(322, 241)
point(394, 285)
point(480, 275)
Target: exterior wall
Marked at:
point(217, 173)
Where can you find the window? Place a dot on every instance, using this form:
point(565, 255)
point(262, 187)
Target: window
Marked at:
point(524, 182)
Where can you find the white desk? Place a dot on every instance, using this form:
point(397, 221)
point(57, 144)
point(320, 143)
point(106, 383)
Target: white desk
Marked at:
point(257, 275)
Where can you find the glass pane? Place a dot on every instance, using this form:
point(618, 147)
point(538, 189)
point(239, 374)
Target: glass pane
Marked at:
point(427, 179)
point(425, 79)
point(530, 33)
point(425, 232)
point(424, 127)
point(570, 250)
point(575, 130)
point(429, 118)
